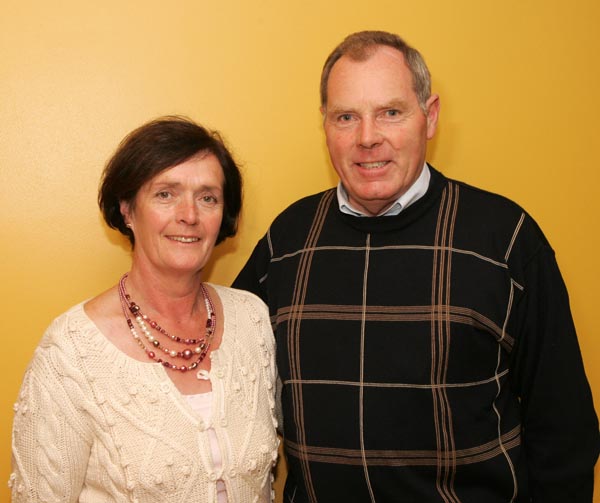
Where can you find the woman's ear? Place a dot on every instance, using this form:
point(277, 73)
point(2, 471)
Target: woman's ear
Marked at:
point(125, 209)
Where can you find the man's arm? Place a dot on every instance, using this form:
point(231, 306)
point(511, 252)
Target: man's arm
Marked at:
point(560, 427)
point(253, 276)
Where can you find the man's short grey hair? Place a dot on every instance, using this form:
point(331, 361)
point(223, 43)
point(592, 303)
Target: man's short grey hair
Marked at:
point(361, 45)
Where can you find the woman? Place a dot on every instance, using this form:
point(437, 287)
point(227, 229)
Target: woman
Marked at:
point(160, 389)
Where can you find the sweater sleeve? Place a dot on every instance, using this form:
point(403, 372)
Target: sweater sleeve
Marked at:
point(50, 448)
point(560, 427)
point(254, 274)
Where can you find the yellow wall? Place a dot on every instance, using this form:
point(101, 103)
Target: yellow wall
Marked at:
point(518, 83)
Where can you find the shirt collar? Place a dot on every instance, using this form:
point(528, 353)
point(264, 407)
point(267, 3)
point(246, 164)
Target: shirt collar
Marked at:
point(415, 192)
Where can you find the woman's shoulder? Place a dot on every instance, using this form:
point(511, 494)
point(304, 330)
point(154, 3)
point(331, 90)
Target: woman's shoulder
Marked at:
point(72, 320)
point(247, 316)
point(63, 339)
point(235, 295)
point(243, 308)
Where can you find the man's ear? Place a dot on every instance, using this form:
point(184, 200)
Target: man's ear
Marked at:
point(433, 112)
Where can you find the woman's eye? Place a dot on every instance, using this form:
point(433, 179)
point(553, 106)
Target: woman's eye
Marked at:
point(208, 199)
point(163, 194)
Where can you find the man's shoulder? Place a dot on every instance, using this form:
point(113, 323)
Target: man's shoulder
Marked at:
point(478, 194)
point(304, 207)
point(483, 203)
point(490, 216)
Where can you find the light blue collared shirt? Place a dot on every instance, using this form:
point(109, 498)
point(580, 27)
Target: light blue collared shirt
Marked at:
point(415, 192)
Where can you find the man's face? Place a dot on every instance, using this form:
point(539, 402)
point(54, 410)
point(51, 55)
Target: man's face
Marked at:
point(376, 130)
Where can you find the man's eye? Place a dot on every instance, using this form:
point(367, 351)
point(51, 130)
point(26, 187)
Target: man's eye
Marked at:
point(392, 113)
point(345, 117)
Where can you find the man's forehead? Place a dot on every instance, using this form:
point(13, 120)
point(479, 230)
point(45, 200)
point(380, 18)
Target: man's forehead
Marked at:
point(367, 55)
point(384, 73)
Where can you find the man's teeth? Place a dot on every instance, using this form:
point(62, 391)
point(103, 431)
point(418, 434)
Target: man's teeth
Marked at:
point(370, 165)
point(182, 239)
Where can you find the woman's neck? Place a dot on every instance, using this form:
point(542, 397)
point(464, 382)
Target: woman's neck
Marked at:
point(174, 296)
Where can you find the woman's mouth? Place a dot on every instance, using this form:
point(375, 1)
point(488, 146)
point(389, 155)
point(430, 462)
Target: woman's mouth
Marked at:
point(183, 239)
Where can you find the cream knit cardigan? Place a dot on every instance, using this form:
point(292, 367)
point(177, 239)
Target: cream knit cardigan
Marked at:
point(93, 425)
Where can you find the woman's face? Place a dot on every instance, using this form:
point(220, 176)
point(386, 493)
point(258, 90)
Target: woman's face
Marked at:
point(176, 216)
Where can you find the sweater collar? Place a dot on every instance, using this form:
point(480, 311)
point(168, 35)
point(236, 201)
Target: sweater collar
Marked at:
point(413, 212)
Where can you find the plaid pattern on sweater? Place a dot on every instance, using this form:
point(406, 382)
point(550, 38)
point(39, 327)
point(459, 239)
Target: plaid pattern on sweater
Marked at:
point(425, 357)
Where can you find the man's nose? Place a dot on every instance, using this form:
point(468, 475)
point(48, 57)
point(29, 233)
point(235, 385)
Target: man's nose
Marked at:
point(369, 135)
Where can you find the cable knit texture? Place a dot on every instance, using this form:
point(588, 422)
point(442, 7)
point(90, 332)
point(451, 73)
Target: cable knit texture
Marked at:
point(94, 425)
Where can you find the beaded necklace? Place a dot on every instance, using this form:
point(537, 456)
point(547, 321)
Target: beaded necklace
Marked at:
point(142, 320)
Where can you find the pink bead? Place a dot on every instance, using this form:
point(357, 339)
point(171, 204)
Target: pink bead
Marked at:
point(202, 344)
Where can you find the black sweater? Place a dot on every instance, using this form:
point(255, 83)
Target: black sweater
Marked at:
point(425, 357)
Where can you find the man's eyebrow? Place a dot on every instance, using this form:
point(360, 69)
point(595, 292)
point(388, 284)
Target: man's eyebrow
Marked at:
point(340, 110)
point(394, 103)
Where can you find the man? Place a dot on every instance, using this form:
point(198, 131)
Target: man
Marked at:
point(425, 343)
